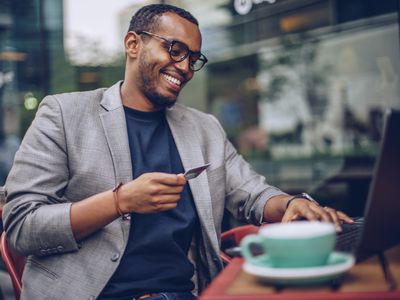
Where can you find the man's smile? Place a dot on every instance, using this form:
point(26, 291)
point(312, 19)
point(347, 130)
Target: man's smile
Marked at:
point(174, 82)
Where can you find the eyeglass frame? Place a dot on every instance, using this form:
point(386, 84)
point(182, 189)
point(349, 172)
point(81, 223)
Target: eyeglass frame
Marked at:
point(170, 44)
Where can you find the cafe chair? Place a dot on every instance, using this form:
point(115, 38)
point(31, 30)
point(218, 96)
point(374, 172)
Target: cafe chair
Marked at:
point(231, 238)
point(14, 263)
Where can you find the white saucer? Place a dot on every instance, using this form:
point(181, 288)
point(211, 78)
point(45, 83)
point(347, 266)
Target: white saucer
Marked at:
point(338, 263)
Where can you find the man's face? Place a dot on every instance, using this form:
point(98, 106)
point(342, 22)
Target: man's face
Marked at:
point(160, 79)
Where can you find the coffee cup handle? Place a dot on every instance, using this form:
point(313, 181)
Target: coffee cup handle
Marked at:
point(245, 247)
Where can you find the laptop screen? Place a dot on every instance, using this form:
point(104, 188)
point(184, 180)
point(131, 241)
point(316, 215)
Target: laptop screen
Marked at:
point(381, 228)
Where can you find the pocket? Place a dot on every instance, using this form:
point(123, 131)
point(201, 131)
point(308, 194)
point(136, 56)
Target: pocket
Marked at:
point(35, 266)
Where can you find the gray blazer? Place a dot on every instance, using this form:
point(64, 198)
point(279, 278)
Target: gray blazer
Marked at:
point(77, 146)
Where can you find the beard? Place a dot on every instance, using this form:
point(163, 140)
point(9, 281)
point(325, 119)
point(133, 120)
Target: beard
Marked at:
point(147, 84)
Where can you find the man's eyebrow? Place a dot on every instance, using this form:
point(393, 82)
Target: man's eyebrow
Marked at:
point(178, 40)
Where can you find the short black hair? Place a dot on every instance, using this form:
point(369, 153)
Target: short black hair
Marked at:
point(146, 18)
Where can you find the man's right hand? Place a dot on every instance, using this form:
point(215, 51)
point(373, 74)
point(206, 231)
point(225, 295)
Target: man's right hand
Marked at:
point(151, 192)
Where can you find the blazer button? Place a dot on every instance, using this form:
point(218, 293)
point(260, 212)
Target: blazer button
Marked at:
point(115, 257)
point(60, 248)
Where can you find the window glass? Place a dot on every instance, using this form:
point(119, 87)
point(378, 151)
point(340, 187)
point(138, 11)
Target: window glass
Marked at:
point(301, 88)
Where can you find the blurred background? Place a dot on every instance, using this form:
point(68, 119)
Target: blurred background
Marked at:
point(300, 86)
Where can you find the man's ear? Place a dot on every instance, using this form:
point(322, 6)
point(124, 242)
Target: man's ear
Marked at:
point(132, 43)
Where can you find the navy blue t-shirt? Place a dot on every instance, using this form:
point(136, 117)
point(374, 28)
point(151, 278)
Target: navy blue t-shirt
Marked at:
point(155, 259)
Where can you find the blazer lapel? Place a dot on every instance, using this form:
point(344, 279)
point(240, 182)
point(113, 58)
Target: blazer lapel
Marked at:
point(114, 125)
point(188, 144)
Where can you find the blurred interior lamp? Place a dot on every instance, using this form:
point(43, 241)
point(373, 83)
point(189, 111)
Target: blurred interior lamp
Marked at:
point(243, 7)
point(304, 20)
point(88, 77)
point(12, 56)
point(30, 102)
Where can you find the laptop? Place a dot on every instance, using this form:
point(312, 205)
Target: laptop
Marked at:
point(380, 225)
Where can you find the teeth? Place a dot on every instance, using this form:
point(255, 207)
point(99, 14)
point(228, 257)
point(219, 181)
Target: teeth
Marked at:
point(172, 79)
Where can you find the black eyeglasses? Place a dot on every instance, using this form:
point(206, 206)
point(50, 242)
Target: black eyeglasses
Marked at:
point(179, 51)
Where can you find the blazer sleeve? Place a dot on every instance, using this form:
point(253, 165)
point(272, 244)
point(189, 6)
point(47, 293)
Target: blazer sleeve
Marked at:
point(247, 192)
point(37, 215)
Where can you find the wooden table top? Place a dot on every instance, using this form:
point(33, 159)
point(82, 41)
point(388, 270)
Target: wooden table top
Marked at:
point(365, 280)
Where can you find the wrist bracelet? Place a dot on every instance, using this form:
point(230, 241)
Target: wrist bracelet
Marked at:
point(115, 196)
point(301, 196)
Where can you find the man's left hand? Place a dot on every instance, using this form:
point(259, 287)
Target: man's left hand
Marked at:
point(304, 209)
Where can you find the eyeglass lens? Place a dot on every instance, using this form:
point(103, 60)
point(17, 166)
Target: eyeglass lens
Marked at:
point(180, 51)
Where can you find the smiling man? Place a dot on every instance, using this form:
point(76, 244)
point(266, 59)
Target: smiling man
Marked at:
point(97, 199)
point(158, 66)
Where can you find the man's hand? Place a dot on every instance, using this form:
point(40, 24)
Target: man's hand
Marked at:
point(304, 209)
point(151, 192)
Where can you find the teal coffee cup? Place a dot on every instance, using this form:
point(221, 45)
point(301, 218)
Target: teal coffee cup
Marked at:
point(297, 244)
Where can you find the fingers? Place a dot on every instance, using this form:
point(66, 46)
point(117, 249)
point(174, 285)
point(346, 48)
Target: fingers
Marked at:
point(158, 208)
point(309, 212)
point(165, 199)
point(161, 189)
point(162, 203)
point(323, 214)
point(152, 192)
point(166, 178)
point(335, 218)
point(164, 183)
point(301, 208)
point(167, 207)
point(304, 209)
point(338, 218)
point(289, 217)
point(345, 217)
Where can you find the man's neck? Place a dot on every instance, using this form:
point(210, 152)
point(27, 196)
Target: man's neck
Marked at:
point(132, 99)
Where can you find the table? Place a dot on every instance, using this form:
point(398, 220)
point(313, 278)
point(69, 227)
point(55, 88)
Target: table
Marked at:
point(365, 280)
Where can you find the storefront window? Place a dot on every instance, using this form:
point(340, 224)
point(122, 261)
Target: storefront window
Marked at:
point(301, 88)
point(326, 93)
point(34, 63)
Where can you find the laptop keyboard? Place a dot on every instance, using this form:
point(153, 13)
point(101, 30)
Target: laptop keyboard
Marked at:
point(347, 240)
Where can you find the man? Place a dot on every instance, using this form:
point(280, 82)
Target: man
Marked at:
point(96, 198)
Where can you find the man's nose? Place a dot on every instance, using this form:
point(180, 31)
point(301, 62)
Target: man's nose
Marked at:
point(184, 65)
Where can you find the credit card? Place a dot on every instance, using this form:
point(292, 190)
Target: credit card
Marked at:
point(194, 172)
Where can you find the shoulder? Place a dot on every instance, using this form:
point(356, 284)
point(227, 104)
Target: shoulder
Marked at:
point(202, 121)
point(76, 98)
point(195, 114)
point(72, 104)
